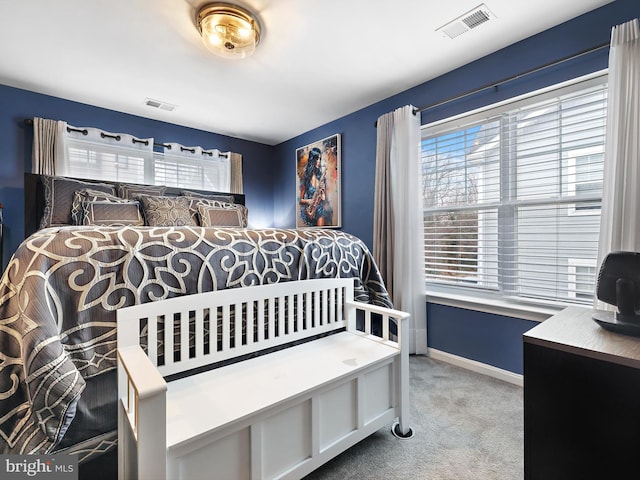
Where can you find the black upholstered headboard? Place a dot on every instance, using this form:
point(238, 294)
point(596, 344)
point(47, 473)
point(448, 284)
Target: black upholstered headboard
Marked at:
point(34, 200)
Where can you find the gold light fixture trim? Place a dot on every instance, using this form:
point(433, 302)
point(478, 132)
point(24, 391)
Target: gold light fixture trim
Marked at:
point(228, 30)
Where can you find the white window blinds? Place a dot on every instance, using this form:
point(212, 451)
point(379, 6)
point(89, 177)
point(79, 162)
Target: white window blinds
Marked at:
point(512, 196)
point(193, 167)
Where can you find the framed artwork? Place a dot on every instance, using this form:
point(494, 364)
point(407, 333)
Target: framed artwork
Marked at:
point(318, 184)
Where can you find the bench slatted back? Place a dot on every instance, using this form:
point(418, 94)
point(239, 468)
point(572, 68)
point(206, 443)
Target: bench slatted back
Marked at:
point(205, 328)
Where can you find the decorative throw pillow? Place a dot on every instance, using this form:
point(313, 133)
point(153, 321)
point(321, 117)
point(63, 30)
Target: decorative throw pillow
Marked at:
point(107, 213)
point(219, 216)
point(219, 198)
point(59, 193)
point(89, 195)
point(194, 203)
point(166, 211)
point(132, 190)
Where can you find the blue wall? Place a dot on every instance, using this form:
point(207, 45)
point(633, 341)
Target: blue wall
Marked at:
point(484, 337)
point(16, 140)
point(498, 339)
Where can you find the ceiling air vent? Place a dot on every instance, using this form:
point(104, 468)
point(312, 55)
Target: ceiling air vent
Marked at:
point(158, 104)
point(466, 22)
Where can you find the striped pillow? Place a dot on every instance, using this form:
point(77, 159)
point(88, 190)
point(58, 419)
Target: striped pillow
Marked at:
point(111, 214)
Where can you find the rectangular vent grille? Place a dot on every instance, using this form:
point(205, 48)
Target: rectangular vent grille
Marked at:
point(158, 104)
point(475, 19)
point(472, 19)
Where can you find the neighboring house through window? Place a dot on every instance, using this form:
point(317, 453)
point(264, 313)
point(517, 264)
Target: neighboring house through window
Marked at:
point(581, 276)
point(585, 178)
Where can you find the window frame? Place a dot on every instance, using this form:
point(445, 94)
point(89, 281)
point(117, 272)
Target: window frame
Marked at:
point(495, 302)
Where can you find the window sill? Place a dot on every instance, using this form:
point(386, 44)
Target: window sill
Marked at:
point(536, 313)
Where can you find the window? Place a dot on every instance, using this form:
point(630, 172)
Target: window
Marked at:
point(200, 173)
point(105, 157)
point(512, 194)
point(98, 155)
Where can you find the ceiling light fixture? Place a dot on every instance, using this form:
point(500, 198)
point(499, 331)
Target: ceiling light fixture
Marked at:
point(228, 30)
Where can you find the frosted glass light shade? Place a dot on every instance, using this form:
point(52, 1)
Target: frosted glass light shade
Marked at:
point(228, 30)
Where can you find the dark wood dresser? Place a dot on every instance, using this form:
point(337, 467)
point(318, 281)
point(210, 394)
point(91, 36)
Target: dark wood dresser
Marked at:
point(581, 400)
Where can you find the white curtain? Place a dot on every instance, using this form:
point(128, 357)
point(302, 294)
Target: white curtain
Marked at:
point(397, 237)
point(48, 145)
point(620, 221)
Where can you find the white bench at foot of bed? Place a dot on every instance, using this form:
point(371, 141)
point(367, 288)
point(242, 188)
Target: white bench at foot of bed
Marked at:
point(278, 415)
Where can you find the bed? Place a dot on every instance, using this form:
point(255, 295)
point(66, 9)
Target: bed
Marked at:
point(63, 285)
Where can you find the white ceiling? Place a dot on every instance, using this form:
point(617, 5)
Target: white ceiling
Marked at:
point(318, 60)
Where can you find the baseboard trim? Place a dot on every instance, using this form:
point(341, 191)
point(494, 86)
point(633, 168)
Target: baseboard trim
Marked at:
point(478, 367)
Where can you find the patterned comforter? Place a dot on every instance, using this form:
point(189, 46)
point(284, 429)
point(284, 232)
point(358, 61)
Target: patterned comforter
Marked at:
point(62, 287)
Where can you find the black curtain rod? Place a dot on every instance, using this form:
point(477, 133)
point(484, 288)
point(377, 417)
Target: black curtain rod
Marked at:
point(29, 122)
point(496, 84)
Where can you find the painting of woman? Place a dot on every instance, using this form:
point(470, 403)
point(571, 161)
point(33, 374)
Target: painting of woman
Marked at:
point(318, 184)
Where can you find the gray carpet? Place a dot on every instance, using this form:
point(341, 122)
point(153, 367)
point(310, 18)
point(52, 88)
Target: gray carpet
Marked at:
point(468, 426)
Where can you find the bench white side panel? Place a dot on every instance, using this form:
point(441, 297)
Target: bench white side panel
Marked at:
point(228, 457)
point(286, 439)
point(338, 413)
